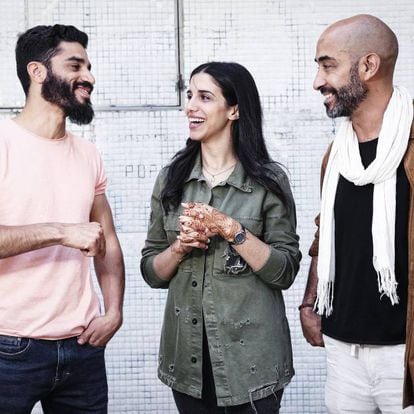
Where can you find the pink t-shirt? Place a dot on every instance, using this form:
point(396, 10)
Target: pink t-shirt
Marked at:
point(47, 293)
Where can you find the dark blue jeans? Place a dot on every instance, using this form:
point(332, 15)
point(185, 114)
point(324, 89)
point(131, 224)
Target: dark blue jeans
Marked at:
point(66, 377)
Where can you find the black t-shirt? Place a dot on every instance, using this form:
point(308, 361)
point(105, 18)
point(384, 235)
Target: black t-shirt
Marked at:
point(360, 314)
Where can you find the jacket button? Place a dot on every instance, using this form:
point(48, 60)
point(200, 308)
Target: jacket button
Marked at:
point(193, 360)
point(194, 283)
point(194, 321)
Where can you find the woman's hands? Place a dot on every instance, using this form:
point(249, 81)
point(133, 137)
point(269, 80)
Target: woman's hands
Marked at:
point(200, 221)
point(193, 233)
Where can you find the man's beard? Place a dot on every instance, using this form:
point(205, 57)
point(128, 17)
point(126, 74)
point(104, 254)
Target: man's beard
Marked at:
point(348, 97)
point(61, 93)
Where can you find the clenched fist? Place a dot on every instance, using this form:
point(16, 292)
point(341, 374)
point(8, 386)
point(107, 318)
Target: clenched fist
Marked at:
point(87, 237)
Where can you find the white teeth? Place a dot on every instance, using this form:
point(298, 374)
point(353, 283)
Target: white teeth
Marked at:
point(84, 91)
point(197, 120)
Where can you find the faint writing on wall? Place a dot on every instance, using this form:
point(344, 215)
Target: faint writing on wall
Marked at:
point(141, 170)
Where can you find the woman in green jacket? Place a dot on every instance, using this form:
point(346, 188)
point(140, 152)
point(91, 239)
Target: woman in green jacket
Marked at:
point(222, 239)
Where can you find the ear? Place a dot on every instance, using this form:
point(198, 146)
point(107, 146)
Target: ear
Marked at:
point(37, 71)
point(234, 113)
point(369, 65)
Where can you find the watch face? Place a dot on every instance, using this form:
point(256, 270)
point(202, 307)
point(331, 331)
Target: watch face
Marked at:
point(239, 237)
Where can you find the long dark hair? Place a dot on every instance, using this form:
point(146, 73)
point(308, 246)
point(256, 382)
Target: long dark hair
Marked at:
point(238, 88)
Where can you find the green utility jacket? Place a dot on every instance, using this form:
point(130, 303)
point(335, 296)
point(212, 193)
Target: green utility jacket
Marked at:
point(244, 313)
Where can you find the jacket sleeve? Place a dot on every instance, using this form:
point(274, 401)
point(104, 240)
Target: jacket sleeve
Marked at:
point(156, 240)
point(314, 248)
point(279, 232)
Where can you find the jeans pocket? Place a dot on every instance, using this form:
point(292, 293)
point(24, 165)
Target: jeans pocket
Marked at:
point(98, 347)
point(13, 346)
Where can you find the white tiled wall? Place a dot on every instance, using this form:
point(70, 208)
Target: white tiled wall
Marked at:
point(133, 54)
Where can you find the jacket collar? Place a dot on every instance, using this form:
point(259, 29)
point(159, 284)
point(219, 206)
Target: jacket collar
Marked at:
point(238, 178)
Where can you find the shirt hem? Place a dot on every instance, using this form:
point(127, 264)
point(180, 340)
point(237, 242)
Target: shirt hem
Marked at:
point(229, 401)
point(363, 341)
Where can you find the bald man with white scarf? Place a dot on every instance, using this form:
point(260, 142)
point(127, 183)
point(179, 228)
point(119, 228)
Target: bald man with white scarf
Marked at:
point(357, 294)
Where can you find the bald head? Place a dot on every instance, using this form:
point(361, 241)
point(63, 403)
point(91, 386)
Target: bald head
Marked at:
point(361, 35)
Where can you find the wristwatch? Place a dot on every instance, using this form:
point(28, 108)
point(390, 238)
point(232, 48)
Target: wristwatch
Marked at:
point(239, 237)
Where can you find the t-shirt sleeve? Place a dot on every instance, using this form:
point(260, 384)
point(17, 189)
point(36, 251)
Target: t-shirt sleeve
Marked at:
point(101, 180)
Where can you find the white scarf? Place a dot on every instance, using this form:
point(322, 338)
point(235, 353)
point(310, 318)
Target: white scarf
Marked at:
point(345, 159)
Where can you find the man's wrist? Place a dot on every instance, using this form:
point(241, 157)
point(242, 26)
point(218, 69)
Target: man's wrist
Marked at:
point(115, 315)
point(305, 305)
point(59, 231)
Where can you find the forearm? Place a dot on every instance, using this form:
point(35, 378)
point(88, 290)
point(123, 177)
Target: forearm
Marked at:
point(166, 263)
point(15, 240)
point(310, 294)
point(254, 251)
point(111, 277)
point(87, 237)
point(277, 265)
point(310, 321)
point(110, 272)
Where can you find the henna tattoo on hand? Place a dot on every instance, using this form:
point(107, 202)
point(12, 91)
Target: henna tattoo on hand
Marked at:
point(209, 217)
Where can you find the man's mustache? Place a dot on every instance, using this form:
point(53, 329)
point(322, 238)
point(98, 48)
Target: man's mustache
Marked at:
point(85, 84)
point(326, 89)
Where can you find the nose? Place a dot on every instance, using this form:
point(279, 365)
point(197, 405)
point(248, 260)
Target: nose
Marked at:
point(319, 80)
point(87, 76)
point(190, 105)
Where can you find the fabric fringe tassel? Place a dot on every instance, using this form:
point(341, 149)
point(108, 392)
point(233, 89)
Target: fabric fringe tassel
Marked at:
point(387, 285)
point(324, 300)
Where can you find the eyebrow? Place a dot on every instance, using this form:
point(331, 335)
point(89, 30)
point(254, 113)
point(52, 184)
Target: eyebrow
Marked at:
point(201, 91)
point(78, 60)
point(324, 58)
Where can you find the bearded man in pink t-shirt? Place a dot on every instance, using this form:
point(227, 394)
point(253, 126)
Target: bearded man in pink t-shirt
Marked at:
point(54, 216)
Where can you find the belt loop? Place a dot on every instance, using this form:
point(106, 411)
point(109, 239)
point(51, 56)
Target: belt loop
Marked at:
point(354, 350)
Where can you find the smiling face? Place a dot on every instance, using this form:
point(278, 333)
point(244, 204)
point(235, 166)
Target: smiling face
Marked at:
point(69, 82)
point(338, 79)
point(209, 115)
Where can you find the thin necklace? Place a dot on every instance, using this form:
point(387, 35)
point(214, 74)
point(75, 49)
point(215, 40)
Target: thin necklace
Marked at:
point(213, 176)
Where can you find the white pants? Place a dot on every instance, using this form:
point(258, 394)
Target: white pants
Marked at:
point(364, 379)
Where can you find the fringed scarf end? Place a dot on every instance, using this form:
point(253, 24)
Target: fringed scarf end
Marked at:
point(387, 285)
point(324, 300)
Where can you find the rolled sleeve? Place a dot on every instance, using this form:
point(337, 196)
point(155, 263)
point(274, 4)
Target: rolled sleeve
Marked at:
point(149, 275)
point(282, 266)
point(156, 241)
point(280, 269)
